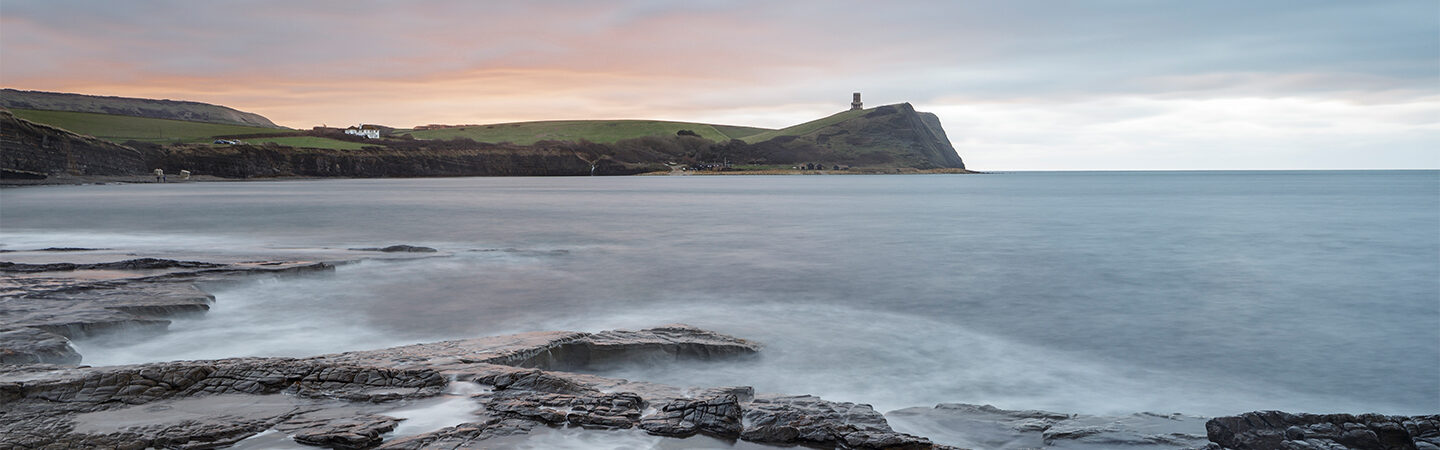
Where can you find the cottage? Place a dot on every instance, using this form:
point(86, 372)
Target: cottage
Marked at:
point(368, 131)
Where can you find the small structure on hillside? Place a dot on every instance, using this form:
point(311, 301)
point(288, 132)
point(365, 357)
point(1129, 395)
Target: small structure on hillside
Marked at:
point(855, 104)
point(368, 131)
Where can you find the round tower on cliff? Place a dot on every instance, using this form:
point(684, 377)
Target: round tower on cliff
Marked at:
point(855, 104)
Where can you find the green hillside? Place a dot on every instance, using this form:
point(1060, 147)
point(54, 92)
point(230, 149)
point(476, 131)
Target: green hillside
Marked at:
point(126, 106)
point(804, 128)
point(600, 131)
point(308, 142)
point(124, 128)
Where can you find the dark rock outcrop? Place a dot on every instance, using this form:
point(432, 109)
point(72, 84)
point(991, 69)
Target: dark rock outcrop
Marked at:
point(615, 410)
point(886, 136)
point(809, 420)
point(985, 426)
point(465, 435)
point(33, 345)
point(260, 161)
point(29, 147)
point(1263, 430)
point(717, 416)
point(129, 264)
point(400, 248)
point(352, 432)
point(197, 404)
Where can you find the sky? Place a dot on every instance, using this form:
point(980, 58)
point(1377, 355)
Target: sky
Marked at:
point(1018, 85)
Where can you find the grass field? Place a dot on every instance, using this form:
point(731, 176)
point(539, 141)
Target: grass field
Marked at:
point(308, 142)
point(124, 128)
point(599, 131)
point(804, 128)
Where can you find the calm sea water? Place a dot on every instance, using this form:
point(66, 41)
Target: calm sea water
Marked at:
point(1197, 292)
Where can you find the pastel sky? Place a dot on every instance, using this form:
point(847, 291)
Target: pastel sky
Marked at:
point(1019, 85)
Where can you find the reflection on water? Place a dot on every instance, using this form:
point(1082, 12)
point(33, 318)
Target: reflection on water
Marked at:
point(1202, 293)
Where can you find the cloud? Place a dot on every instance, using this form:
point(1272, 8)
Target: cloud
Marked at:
point(1137, 133)
point(746, 62)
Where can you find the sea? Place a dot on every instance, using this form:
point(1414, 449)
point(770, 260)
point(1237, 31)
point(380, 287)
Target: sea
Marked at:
point(1204, 293)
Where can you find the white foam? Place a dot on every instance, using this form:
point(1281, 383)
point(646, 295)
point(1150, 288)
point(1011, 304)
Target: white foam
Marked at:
point(453, 408)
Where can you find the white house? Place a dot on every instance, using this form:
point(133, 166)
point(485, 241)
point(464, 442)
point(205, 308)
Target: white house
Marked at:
point(369, 131)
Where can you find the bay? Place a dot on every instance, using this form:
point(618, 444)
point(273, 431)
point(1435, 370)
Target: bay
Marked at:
point(1092, 292)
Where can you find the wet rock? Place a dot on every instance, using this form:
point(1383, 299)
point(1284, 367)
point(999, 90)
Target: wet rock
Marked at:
point(618, 410)
point(463, 435)
point(82, 300)
point(718, 416)
point(130, 264)
point(560, 350)
point(1281, 430)
point(985, 426)
point(31, 345)
point(340, 400)
point(402, 248)
point(40, 406)
point(537, 381)
point(669, 343)
point(809, 420)
point(345, 433)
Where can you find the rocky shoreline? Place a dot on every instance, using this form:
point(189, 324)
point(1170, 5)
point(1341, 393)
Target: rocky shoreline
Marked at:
point(510, 387)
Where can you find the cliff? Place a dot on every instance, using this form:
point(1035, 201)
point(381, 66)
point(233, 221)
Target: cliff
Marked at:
point(138, 107)
point(886, 136)
point(251, 161)
point(28, 147)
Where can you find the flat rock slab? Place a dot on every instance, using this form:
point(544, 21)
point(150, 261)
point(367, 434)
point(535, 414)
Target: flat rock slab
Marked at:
point(51, 296)
point(985, 426)
point(341, 400)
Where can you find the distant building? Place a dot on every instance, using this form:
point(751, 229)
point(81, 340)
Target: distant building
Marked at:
point(855, 104)
point(369, 131)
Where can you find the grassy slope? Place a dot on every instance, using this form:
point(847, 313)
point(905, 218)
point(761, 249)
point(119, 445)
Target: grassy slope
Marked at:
point(739, 132)
point(123, 128)
point(804, 128)
point(137, 107)
point(600, 131)
point(308, 142)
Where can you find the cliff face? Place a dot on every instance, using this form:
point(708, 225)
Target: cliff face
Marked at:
point(32, 150)
point(249, 161)
point(138, 107)
point(31, 147)
point(887, 136)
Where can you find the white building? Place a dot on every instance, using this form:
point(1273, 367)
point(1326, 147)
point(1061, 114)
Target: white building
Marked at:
point(369, 131)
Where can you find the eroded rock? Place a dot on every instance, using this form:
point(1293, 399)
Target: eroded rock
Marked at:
point(985, 426)
point(32, 345)
point(355, 432)
point(320, 400)
point(718, 416)
point(810, 420)
point(463, 435)
point(1281, 430)
point(617, 410)
point(402, 248)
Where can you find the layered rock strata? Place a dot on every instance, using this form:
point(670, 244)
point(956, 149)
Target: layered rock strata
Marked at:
point(341, 400)
point(1280, 430)
point(45, 305)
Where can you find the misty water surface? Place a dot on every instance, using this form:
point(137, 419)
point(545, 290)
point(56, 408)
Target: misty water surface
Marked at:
point(1196, 292)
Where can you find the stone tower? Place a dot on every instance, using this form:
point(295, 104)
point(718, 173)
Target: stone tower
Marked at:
point(855, 104)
